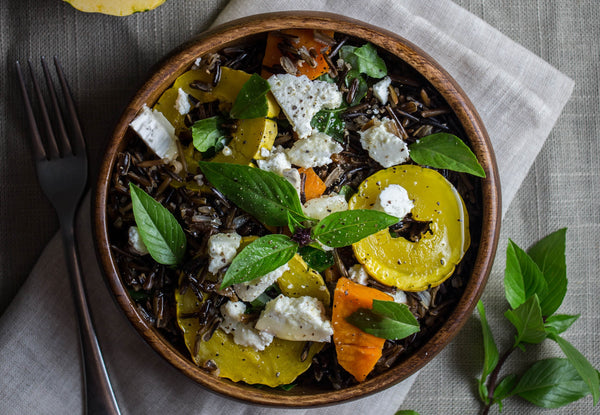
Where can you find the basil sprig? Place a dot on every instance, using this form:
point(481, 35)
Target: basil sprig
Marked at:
point(445, 151)
point(535, 285)
point(158, 228)
point(387, 320)
point(209, 136)
point(251, 101)
point(363, 60)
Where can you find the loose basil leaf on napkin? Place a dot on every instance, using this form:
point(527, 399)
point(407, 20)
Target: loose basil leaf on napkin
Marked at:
point(549, 255)
point(387, 320)
point(262, 256)
point(583, 366)
point(251, 101)
point(522, 277)
point(158, 228)
point(265, 195)
point(551, 383)
point(504, 389)
point(445, 151)
point(345, 228)
point(559, 323)
point(316, 258)
point(490, 350)
point(209, 135)
point(527, 319)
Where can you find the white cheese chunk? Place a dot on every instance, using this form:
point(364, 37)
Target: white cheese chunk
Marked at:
point(243, 333)
point(182, 103)
point(358, 274)
point(227, 151)
point(300, 99)
point(314, 151)
point(384, 147)
point(250, 290)
point(296, 319)
point(135, 241)
point(276, 161)
point(222, 248)
point(320, 207)
point(157, 132)
point(394, 201)
point(399, 296)
point(381, 90)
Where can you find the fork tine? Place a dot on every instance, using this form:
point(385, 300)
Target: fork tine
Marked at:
point(52, 149)
point(77, 141)
point(36, 141)
point(63, 138)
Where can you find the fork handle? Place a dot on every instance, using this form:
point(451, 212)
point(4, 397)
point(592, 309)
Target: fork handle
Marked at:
point(99, 397)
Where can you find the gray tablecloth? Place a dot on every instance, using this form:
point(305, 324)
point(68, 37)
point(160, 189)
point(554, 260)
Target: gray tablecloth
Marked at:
point(106, 58)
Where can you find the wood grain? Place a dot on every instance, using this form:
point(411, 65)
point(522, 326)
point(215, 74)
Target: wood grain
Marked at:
point(243, 30)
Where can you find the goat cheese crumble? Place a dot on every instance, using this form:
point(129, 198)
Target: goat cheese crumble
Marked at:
point(314, 151)
point(394, 200)
point(384, 147)
point(222, 248)
point(157, 132)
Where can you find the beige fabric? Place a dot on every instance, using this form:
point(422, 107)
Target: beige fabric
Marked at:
point(518, 95)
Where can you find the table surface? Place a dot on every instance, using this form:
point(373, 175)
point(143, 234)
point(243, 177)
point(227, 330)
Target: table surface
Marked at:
point(106, 58)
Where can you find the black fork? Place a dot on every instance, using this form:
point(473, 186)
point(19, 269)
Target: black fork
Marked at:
point(61, 164)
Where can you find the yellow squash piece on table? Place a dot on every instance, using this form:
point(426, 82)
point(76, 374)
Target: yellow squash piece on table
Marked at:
point(250, 136)
point(115, 7)
point(415, 266)
point(279, 363)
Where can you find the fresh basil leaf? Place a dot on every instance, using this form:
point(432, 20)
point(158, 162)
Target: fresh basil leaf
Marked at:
point(583, 366)
point(527, 319)
point(387, 320)
point(483, 392)
point(208, 134)
point(287, 387)
point(551, 383)
point(369, 62)
point(445, 151)
point(490, 350)
point(406, 412)
point(158, 228)
point(549, 255)
point(348, 55)
point(347, 227)
point(504, 388)
point(559, 323)
point(265, 195)
point(522, 277)
point(251, 101)
point(316, 258)
point(262, 256)
point(330, 123)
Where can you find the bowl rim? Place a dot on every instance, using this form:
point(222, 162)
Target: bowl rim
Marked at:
point(178, 61)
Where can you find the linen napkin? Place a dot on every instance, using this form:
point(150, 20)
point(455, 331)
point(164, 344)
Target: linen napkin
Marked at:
point(519, 97)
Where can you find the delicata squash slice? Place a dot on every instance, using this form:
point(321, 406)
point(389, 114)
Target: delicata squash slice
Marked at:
point(279, 363)
point(415, 266)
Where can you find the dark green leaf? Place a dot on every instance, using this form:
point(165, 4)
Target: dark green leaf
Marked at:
point(558, 323)
point(505, 387)
point(445, 151)
point(551, 383)
point(347, 53)
point(316, 259)
point(522, 277)
point(209, 135)
point(369, 61)
point(549, 255)
point(251, 101)
point(490, 350)
point(262, 256)
point(387, 320)
point(158, 228)
point(347, 227)
point(406, 412)
point(259, 303)
point(287, 387)
point(330, 123)
point(583, 366)
point(347, 192)
point(483, 392)
point(527, 318)
point(265, 195)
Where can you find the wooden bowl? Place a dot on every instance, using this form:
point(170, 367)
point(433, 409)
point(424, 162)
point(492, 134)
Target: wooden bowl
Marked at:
point(230, 34)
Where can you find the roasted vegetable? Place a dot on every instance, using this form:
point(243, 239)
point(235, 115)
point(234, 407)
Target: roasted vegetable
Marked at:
point(115, 7)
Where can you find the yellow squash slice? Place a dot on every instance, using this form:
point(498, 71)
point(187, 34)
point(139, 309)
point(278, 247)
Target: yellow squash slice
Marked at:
point(415, 266)
point(250, 136)
point(115, 7)
point(279, 363)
